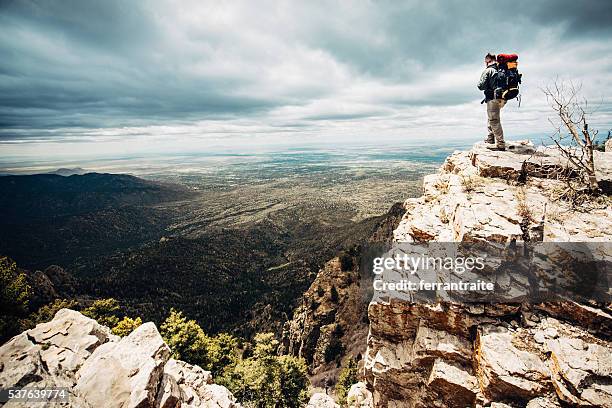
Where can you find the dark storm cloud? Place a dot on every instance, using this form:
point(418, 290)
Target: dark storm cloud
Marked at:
point(92, 64)
point(443, 33)
point(581, 18)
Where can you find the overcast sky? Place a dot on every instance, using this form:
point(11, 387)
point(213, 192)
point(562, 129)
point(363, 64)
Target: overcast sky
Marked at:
point(141, 76)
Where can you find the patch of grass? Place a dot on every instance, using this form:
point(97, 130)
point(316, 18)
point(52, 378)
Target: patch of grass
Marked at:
point(470, 183)
point(522, 208)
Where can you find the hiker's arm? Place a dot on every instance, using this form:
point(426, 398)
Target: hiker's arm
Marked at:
point(484, 78)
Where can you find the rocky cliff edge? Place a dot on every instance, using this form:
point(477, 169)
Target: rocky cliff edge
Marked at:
point(448, 354)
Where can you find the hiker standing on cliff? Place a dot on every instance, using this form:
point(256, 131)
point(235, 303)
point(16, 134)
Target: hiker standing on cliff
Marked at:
point(488, 84)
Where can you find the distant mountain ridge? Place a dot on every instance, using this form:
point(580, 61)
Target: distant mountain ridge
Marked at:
point(63, 171)
point(51, 219)
point(53, 195)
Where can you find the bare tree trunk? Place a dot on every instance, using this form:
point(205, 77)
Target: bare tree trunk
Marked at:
point(573, 113)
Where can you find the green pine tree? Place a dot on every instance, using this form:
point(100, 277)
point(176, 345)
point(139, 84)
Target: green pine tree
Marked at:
point(104, 311)
point(15, 294)
point(347, 377)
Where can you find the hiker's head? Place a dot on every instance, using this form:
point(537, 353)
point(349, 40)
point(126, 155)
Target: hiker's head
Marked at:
point(489, 58)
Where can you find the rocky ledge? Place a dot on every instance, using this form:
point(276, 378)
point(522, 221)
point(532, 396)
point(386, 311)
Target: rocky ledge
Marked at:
point(449, 354)
point(100, 369)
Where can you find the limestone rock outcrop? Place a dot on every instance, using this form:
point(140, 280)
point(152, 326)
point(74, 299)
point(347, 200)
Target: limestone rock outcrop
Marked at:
point(477, 195)
point(447, 353)
point(100, 369)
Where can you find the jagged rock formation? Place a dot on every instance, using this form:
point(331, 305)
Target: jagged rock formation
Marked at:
point(471, 199)
point(50, 284)
point(450, 354)
point(328, 326)
point(102, 370)
point(332, 305)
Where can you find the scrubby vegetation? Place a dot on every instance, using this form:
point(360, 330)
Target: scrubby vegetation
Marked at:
point(105, 311)
point(15, 296)
point(188, 342)
point(346, 378)
point(346, 262)
point(266, 379)
point(261, 379)
point(126, 326)
point(334, 294)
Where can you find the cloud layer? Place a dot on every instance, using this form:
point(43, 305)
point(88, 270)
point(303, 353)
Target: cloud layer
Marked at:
point(91, 71)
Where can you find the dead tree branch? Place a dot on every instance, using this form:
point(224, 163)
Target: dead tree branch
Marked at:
point(573, 112)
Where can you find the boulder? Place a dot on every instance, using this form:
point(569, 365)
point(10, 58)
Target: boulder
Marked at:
point(581, 371)
point(591, 318)
point(215, 396)
point(69, 339)
point(359, 396)
point(125, 373)
point(51, 352)
point(169, 393)
point(453, 383)
point(195, 387)
point(30, 370)
point(519, 157)
point(506, 371)
point(433, 343)
point(321, 400)
point(543, 402)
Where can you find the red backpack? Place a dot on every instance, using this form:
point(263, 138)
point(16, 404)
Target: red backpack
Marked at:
point(508, 77)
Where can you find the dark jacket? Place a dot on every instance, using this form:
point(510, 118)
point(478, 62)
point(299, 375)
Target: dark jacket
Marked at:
point(487, 81)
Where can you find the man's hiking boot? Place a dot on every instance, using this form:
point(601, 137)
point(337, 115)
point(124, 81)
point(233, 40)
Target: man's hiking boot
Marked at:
point(489, 140)
point(497, 148)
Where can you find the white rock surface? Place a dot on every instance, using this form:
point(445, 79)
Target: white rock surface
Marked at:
point(50, 354)
point(359, 396)
point(195, 386)
point(125, 373)
point(102, 370)
point(321, 400)
point(507, 371)
point(470, 199)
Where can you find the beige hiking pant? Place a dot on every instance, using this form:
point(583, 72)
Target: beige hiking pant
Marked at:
point(494, 123)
